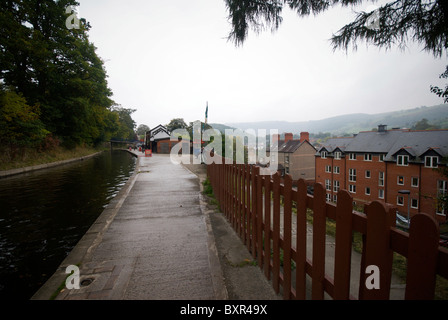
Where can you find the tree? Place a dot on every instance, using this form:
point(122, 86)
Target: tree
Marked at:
point(177, 123)
point(142, 129)
point(20, 125)
point(57, 69)
point(397, 22)
point(126, 129)
point(424, 125)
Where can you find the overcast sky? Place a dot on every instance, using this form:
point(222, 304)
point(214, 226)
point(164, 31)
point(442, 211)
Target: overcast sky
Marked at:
point(168, 58)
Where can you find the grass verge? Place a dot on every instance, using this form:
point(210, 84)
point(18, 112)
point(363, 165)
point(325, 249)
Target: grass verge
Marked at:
point(31, 157)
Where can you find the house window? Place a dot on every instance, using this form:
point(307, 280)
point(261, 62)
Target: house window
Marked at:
point(431, 162)
point(323, 154)
point(352, 156)
point(352, 175)
point(442, 186)
point(400, 200)
point(381, 193)
point(286, 158)
point(402, 160)
point(287, 170)
point(381, 157)
point(381, 179)
point(400, 180)
point(337, 155)
point(414, 182)
point(335, 198)
point(367, 157)
point(414, 203)
point(367, 174)
point(328, 169)
point(328, 197)
point(368, 191)
point(352, 188)
point(328, 184)
point(336, 170)
point(335, 186)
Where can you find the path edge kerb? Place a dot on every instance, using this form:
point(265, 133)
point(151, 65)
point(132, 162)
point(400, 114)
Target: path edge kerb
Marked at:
point(80, 253)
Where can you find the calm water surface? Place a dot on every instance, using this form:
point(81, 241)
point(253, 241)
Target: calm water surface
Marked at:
point(45, 213)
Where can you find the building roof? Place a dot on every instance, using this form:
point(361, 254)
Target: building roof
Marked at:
point(392, 142)
point(417, 143)
point(336, 143)
point(374, 142)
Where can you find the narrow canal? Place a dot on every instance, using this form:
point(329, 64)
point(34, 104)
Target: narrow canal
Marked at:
point(44, 214)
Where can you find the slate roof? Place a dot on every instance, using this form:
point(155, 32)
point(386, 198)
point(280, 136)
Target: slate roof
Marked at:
point(391, 142)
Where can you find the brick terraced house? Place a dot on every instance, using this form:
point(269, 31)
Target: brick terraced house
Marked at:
point(387, 165)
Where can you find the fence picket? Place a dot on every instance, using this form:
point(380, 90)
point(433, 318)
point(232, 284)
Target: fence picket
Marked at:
point(267, 227)
point(422, 258)
point(319, 229)
point(377, 251)
point(301, 240)
point(259, 218)
point(287, 212)
point(276, 235)
point(343, 249)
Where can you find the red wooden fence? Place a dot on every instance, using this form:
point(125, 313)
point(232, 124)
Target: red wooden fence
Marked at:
point(253, 204)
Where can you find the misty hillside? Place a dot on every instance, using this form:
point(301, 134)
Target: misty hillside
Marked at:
point(353, 123)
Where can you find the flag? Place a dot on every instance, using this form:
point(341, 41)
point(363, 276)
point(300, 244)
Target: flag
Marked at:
point(206, 113)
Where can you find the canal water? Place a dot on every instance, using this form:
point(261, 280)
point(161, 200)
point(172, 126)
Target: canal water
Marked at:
point(44, 214)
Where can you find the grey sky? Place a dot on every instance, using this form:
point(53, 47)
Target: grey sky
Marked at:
point(168, 58)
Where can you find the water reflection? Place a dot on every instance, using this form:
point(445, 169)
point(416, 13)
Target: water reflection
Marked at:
point(45, 213)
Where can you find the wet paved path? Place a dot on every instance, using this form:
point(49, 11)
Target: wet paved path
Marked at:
point(153, 244)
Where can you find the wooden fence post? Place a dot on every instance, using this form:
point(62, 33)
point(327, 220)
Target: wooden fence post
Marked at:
point(422, 258)
point(287, 212)
point(319, 231)
point(343, 249)
point(301, 240)
point(259, 217)
point(267, 227)
point(377, 252)
point(276, 235)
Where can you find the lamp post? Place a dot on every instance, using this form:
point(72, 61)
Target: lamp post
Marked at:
point(409, 199)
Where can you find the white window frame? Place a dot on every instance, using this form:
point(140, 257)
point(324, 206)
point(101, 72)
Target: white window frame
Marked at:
point(381, 179)
point(336, 170)
point(368, 174)
point(402, 160)
point(337, 155)
point(367, 191)
point(400, 201)
point(352, 175)
point(412, 205)
point(352, 188)
point(328, 184)
point(398, 181)
point(323, 154)
point(328, 169)
point(412, 182)
point(380, 193)
point(367, 157)
point(336, 185)
point(432, 163)
point(352, 156)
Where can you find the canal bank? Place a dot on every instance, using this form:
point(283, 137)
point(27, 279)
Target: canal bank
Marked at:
point(13, 172)
point(151, 242)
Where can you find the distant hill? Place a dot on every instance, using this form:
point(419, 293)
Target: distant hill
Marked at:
point(354, 123)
